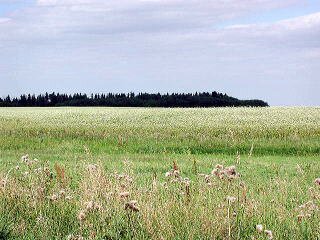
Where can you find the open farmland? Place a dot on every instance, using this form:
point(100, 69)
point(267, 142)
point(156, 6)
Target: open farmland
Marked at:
point(137, 173)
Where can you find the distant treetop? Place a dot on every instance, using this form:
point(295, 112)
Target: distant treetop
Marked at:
point(204, 99)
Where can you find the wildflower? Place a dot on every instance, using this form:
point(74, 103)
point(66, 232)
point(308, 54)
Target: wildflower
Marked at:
point(176, 173)
point(129, 179)
point(308, 206)
point(259, 228)
point(299, 169)
point(91, 206)
point(231, 199)
point(41, 190)
point(3, 183)
point(62, 192)
point(269, 234)
point(92, 167)
point(124, 194)
point(25, 158)
point(219, 166)
point(231, 177)
point(81, 216)
point(53, 197)
point(300, 217)
point(207, 178)
point(165, 185)
point(38, 170)
point(40, 219)
point(17, 167)
point(231, 170)
point(48, 172)
point(29, 162)
point(317, 181)
point(132, 205)
point(125, 177)
point(186, 181)
point(215, 172)
point(74, 237)
point(221, 175)
point(68, 198)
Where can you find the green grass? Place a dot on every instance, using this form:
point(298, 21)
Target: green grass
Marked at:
point(275, 150)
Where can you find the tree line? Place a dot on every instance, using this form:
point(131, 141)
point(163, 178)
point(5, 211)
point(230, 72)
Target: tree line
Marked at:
point(205, 99)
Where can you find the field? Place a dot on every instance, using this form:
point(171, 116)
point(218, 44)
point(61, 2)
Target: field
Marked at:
point(134, 173)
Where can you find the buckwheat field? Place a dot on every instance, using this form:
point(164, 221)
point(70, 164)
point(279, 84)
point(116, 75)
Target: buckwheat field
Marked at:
point(138, 173)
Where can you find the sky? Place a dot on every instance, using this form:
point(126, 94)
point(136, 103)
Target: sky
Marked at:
point(249, 49)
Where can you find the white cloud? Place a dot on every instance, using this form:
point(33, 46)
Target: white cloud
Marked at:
point(4, 20)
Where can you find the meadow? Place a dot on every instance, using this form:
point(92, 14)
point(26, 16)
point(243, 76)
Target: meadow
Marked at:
point(139, 173)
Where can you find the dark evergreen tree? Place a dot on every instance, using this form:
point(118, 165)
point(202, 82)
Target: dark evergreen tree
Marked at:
point(205, 99)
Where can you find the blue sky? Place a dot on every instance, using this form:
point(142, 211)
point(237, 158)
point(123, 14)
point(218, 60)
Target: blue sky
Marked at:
point(266, 49)
point(7, 7)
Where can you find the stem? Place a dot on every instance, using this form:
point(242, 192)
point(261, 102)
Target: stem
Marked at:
point(229, 223)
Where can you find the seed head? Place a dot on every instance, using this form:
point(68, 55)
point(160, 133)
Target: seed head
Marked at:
point(269, 234)
point(132, 205)
point(68, 198)
point(40, 219)
point(215, 172)
point(3, 183)
point(176, 173)
point(259, 228)
point(231, 170)
point(90, 205)
point(74, 237)
point(25, 158)
point(186, 181)
point(38, 170)
point(81, 216)
point(231, 199)
point(300, 217)
point(124, 194)
point(219, 166)
point(207, 178)
point(92, 167)
point(62, 192)
point(53, 197)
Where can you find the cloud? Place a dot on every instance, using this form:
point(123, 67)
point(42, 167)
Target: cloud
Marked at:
point(4, 20)
point(65, 17)
point(297, 32)
point(123, 16)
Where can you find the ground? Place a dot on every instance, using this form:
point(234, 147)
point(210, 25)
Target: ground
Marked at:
point(91, 163)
